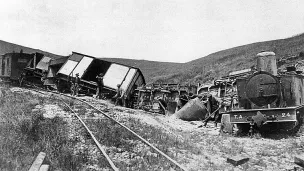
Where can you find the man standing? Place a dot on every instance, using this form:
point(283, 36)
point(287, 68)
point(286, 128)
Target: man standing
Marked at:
point(118, 95)
point(76, 85)
point(22, 78)
point(213, 106)
point(99, 85)
point(44, 79)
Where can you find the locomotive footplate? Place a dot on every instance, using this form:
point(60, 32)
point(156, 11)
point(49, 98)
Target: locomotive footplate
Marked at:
point(262, 116)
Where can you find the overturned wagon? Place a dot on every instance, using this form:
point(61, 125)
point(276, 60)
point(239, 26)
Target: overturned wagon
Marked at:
point(162, 98)
point(88, 67)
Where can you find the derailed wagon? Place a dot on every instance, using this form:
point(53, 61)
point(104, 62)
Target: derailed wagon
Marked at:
point(163, 98)
point(12, 65)
point(268, 100)
point(88, 67)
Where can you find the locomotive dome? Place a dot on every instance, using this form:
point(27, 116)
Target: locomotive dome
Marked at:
point(266, 54)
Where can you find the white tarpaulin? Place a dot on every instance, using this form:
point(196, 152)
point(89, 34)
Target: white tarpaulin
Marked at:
point(82, 66)
point(68, 67)
point(115, 75)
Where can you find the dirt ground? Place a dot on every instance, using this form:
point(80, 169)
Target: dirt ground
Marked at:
point(213, 149)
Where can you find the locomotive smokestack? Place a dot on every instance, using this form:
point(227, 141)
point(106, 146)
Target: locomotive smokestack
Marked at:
point(267, 62)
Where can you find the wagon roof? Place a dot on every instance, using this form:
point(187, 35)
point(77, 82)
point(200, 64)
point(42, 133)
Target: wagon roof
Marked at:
point(59, 60)
point(103, 59)
point(43, 64)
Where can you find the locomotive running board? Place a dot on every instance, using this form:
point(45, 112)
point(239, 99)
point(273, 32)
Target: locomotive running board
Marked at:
point(288, 114)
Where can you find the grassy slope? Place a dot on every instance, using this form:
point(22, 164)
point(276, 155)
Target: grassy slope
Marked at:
point(203, 69)
point(216, 64)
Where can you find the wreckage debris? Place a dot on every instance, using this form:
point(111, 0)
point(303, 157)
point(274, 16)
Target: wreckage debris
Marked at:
point(237, 160)
point(193, 110)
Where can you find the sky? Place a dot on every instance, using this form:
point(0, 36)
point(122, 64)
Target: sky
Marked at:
point(157, 30)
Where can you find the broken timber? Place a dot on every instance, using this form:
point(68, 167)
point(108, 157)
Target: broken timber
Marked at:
point(36, 166)
point(237, 160)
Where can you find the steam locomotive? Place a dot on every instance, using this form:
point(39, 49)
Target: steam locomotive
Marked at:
point(268, 100)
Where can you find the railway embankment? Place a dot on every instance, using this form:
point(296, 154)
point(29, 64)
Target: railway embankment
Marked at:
point(24, 132)
point(31, 123)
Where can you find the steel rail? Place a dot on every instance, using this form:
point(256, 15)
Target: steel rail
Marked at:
point(88, 130)
point(95, 140)
point(138, 136)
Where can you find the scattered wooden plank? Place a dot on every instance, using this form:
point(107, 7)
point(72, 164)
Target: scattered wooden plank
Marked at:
point(299, 160)
point(38, 162)
point(44, 167)
point(237, 160)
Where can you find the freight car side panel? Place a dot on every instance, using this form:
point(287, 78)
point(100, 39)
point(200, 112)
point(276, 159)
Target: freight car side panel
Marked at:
point(68, 67)
point(128, 79)
point(18, 63)
point(5, 66)
point(115, 75)
point(82, 66)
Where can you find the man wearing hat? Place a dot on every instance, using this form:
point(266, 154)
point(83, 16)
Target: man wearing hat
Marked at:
point(99, 85)
point(76, 85)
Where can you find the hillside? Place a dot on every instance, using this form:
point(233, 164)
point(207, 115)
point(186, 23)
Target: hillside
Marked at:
point(152, 70)
point(216, 64)
point(6, 47)
point(200, 70)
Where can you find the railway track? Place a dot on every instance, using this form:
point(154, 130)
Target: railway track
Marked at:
point(101, 148)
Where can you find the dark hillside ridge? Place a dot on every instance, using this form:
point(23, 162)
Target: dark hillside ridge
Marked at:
point(201, 70)
point(6, 47)
point(217, 64)
point(242, 57)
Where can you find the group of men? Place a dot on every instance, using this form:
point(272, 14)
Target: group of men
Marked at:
point(118, 96)
point(75, 87)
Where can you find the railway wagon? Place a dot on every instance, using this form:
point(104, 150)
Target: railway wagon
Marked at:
point(40, 66)
point(268, 100)
point(162, 98)
point(88, 67)
point(12, 65)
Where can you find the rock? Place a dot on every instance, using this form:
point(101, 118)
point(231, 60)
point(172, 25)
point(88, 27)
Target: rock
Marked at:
point(237, 160)
point(226, 126)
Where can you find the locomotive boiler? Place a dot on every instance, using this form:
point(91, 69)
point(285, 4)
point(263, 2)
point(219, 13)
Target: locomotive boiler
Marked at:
point(268, 100)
